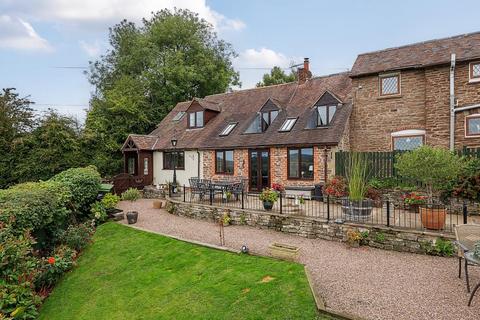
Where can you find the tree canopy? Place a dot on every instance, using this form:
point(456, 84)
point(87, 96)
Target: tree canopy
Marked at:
point(276, 76)
point(172, 57)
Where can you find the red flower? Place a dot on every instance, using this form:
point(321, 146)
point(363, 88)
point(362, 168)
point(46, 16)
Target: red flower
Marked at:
point(51, 260)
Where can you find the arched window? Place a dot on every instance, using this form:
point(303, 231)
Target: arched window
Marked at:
point(408, 139)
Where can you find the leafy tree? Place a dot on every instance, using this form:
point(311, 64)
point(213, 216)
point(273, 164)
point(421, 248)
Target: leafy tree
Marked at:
point(172, 57)
point(276, 76)
point(53, 146)
point(16, 120)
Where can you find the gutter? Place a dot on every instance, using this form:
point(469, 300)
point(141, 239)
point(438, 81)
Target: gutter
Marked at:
point(452, 102)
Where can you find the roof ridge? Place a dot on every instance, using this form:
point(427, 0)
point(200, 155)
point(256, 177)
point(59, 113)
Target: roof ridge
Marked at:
point(419, 43)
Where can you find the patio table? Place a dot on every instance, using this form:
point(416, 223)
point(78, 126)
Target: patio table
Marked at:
point(469, 257)
point(221, 186)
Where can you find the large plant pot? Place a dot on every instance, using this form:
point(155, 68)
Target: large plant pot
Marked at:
point(132, 217)
point(433, 218)
point(268, 205)
point(357, 210)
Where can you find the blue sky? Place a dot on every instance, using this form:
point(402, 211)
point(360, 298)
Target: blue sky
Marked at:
point(37, 37)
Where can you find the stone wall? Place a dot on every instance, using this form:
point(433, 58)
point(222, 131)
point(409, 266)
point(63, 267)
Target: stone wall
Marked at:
point(379, 237)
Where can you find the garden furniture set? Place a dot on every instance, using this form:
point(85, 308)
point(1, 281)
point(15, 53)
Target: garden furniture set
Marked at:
point(467, 236)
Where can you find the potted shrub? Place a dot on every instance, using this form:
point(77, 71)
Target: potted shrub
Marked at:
point(356, 206)
point(131, 195)
point(413, 200)
point(269, 197)
point(435, 168)
point(110, 202)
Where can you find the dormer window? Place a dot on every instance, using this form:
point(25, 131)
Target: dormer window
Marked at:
point(267, 119)
point(195, 119)
point(325, 115)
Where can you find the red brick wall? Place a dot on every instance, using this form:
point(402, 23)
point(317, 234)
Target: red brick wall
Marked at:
point(423, 104)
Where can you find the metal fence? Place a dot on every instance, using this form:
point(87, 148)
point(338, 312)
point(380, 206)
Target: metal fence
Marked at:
point(386, 213)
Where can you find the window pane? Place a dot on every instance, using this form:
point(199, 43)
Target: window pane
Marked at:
point(219, 161)
point(191, 119)
point(288, 125)
point(180, 160)
point(273, 115)
point(229, 161)
point(265, 121)
point(476, 70)
point(307, 163)
point(293, 163)
point(199, 118)
point(322, 116)
point(474, 126)
point(167, 160)
point(407, 143)
point(331, 113)
point(255, 126)
point(145, 166)
point(131, 165)
point(389, 85)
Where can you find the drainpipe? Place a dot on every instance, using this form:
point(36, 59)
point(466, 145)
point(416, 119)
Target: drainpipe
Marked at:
point(452, 102)
point(198, 164)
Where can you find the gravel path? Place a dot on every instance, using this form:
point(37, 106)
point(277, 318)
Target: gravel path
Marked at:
point(366, 282)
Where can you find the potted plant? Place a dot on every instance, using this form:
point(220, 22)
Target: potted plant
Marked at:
point(356, 206)
point(110, 202)
point(269, 197)
point(435, 168)
point(131, 195)
point(413, 200)
point(278, 187)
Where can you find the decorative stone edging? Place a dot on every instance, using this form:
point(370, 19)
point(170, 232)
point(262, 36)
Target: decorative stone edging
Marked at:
point(378, 236)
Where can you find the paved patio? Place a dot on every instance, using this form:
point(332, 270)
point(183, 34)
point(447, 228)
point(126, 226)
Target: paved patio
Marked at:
point(366, 282)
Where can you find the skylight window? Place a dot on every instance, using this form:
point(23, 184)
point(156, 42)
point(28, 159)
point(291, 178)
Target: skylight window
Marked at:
point(178, 116)
point(288, 124)
point(228, 129)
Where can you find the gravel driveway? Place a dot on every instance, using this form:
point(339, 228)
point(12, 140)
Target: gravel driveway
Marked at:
point(366, 282)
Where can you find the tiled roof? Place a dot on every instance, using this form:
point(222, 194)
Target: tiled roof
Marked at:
point(419, 55)
point(142, 142)
point(242, 106)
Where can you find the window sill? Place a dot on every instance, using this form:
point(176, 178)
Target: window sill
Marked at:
point(472, 136)
point(300, 179)
point(224, 174)
point(195, 129)
point(393, 96)
point(177, 169)
point(474, 81)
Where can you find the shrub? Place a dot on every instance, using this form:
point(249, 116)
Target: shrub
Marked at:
point(36, 206)
point(269, 195)
point(414, 198)
point(98, 211)
point(53, 267)
point(78, 236)
point(110, 201)
point(131, 194)
point(18, 301)
point(336, 187)
point(434, 167)
point(468, 184)
point(84, 184)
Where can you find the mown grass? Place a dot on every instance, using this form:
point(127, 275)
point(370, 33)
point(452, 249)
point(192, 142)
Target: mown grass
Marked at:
point(130, 274)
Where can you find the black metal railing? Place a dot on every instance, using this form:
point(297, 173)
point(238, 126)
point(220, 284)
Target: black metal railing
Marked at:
point(435, 217)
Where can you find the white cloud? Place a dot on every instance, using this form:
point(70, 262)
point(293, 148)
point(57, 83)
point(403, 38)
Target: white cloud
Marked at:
point(19, 34)
point(253, 63)
point(91, 49)
point(112, 11)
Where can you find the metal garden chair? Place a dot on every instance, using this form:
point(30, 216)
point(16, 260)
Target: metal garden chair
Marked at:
point(466, 237)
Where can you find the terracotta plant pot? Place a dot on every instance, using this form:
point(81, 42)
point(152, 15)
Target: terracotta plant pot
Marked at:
point(157, 204)
point(433, 218)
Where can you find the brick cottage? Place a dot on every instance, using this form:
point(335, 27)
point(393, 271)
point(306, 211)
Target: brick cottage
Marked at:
point(393, 99)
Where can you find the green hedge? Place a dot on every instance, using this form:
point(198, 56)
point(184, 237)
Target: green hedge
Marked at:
point(84, 184)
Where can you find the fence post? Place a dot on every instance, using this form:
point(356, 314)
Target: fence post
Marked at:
point(465, 213)
point(211, 197)
point(169, 190)
point(281, 203)
point(328, 207)
point(184, 196)
point(243, 203)
point(388, 213)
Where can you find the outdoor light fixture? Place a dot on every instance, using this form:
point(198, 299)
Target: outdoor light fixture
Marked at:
point(174, 145)
point(244, 249)
point(174, 142)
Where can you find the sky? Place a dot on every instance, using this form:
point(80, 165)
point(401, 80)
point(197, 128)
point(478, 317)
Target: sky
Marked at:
point(39, 38)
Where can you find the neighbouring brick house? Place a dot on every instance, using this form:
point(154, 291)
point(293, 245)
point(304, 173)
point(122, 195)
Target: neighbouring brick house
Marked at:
point(397, 98)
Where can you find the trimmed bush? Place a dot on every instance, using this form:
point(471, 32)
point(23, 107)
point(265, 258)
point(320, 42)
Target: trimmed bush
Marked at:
point(35, 206)
point(78, 236)
point(110, 201)
point(84, 184)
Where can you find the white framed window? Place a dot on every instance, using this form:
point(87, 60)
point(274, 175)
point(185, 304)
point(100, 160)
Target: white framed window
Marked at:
point(474, 71)
point(226, 131)
point(145, 166)
point(389, 84)
point(472, 125)
point(195, 119)
point(288, 124)
point(325, 115)
point(408, 139)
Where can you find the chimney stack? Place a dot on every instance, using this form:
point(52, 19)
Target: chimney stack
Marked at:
point(304, 73)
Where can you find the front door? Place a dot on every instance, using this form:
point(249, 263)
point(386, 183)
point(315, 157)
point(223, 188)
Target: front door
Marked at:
point(259, 169)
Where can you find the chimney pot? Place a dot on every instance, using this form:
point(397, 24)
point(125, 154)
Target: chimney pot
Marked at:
point(306, 64)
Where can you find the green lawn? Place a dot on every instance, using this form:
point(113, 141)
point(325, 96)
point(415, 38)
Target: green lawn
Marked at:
point(130, 274)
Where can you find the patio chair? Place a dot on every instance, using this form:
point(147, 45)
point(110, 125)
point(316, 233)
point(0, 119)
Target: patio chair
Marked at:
point(466, 237)
point(196, 188)
point(237, 189)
